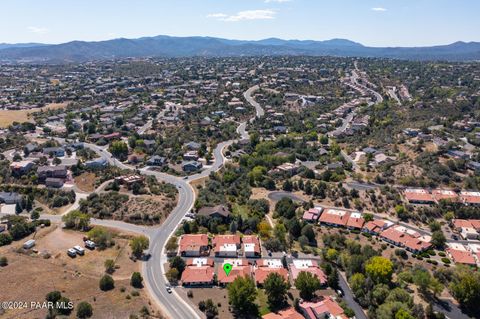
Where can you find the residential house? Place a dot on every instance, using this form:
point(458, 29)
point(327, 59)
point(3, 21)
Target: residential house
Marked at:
point(418, 196)
point(191, 245)
point(191, 156)
point(403, 237)
point(460, 254)
point(226, 245)
point(322, 308)
point(267, 266)
point(192, 166)
point(54, 151)
point(251, 246)
point(20, 168)
point(10, 198)
point(355, 221)
point(288, 313)
point(198, 272)
point(470, 198)
point(312, 214)
point(45, 172)
point(219, 211)
point(240, 268)
point(447, 195)
point(307, 265)
point(156, 161)
point(96, 163)
point(334, 217)
point(375, 227)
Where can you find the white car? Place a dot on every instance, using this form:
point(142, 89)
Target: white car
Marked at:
point(169, 289)
point(90, 244)
point(71, 252)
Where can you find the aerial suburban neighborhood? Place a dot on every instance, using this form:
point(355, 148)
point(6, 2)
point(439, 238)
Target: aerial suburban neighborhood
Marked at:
point(200, 177)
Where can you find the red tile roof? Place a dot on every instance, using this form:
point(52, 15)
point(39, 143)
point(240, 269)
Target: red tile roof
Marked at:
point(355, 220)
point(193, 242)
point(324, 306)
point(470, 197)
point(440, 194)
point(288, 313)
point(418, 195)
point(197, 275)
point(261, 273)
point(334, 216)
point(462, 257)
point(310, 266)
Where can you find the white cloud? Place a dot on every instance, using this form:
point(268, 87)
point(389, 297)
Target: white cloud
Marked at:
point(379, 9)
point(38, 30)
point(277, 1)
point(245, 15)
point(217, 15)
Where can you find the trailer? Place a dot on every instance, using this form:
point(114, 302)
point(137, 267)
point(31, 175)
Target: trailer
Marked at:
point(29, 244)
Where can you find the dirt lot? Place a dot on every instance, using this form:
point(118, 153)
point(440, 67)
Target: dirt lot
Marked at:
point(31, 277)
point(7, 117)
point(86, 182)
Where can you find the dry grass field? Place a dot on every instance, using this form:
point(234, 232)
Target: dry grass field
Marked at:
point(7, 117)
point(31, 277)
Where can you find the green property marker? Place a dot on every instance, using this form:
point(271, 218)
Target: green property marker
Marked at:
point(227, 268)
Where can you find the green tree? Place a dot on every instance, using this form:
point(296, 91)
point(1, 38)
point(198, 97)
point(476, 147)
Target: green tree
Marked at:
point(3, 261)
point(276, 289)
point(76, 220)
point(136, 280)
point(84, 310)
point(380, 269)
point(119, 149)
point(172, 245)
point(102, 237)
point(107, 283)
point(172, 275)
point(307, 284)
point(179, 264)
point(138, 245)
point(438, 239)
point(35, 215)
point(242, 294)
point(466, 287)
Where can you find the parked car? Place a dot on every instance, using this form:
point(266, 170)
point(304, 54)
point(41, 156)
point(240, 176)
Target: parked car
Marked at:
point(169, 289)
point(71, 252)
point(29, 244)
point(90, 244)
point(79, 250)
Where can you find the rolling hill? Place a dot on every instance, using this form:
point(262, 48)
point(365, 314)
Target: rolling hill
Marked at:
point(166, 46)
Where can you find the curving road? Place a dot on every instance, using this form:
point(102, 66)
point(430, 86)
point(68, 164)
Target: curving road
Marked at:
point(153, 270)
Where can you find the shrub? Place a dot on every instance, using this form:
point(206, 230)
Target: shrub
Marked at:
point(446, 260)
point(3, 261)
point(107, 283)
point(84, 310)
point(442, 254)
point(5, 239)
point(135, 293)
point(136, 280)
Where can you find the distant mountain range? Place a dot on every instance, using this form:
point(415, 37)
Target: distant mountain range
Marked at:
point(166, 46)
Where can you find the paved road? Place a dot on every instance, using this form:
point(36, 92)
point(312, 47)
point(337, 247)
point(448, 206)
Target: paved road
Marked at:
point(349, 298)
point(248, 96)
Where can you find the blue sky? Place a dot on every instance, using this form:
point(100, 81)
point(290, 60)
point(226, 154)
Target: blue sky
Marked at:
point(371, 22)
